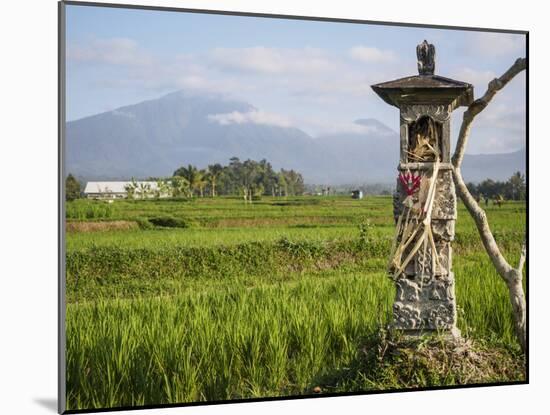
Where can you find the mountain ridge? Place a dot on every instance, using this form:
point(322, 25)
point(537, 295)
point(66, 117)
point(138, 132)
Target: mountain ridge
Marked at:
point(152, 138)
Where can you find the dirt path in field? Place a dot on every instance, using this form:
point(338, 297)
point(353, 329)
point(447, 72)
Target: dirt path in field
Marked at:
point(115, 225)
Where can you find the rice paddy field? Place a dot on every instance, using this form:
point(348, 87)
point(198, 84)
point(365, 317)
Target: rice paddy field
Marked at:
point(208, 299)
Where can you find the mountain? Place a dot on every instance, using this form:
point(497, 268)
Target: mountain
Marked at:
point(155, 137)
point(374, 125)
point(477, 167)
point(368, 156)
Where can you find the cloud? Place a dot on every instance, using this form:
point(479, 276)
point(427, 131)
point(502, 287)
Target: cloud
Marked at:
point(306, 74)
point(312, 125)
point(497, 44)
point(337, 125)
point(272, 60)
point(251, 117)
point(372, 55)
point(114, 51)
point(510, 119)
point(500, 128)
point(494, 142)
point(473, 76)
point(335, 128)
point(321, 91)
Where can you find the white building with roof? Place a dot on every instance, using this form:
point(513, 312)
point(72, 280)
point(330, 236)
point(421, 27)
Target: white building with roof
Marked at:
point(119, 190)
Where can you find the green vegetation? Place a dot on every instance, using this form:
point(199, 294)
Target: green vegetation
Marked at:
point(283, 296)
point(89, 209)
point(515, 188)
point(72, 188)
point(250, 179)
point(170, 222)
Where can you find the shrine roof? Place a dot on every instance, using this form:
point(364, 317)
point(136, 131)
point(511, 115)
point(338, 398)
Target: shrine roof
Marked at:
point(425, 88)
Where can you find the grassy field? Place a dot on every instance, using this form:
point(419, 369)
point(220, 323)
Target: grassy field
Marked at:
point(207, 299)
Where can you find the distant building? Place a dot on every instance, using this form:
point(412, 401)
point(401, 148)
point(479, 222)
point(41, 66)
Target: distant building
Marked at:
point(357, 194)
point(119, 190)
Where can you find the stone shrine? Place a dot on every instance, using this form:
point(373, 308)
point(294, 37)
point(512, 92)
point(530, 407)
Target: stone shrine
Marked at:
point(425, 198)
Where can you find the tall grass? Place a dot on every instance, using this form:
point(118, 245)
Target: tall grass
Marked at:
point(266, 341)
point(237, 342)
point(207, 313)
point(89, 209)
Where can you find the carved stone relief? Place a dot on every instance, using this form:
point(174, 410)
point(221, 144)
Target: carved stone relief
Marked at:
point(407, 290)
point(411, 113)
point(406, 316)
point(443, 230)
point(425, 303)
point(445, 201)
point(442, 289)
point(423, 263)
point(442, 316)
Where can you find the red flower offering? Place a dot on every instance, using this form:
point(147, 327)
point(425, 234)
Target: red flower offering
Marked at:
point(410, 182)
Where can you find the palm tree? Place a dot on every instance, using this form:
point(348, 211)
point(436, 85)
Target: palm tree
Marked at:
point(194, 177)
point(282, 184)
point(144, 189)
point(131, 188)
point(163, 188)
point(258, 190)
point(180, 186)
point(214, 172)
point(201, 181)
point(517, 186)
point(244, 191)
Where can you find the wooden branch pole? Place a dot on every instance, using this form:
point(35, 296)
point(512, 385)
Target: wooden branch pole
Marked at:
point(513, 277)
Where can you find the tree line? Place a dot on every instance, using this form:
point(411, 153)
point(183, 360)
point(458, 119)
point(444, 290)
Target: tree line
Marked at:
point(515, 188)
point(249, 179)
point(252, 179)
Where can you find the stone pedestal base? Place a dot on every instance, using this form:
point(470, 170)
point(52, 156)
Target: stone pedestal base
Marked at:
point(452, 334)
point(425, 307)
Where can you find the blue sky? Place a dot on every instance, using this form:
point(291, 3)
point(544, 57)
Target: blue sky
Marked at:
point(315, 76)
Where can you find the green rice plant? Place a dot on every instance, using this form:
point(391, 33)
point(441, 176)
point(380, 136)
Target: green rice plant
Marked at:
point(171, 222)
point(268, 299)
point(144, 224)
point(236, 341)
point(89, 209)
point(223, 344)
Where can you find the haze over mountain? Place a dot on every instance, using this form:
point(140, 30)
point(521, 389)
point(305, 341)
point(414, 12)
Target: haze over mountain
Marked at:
point(155, 137)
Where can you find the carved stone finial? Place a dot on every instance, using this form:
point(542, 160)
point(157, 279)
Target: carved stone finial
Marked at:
point(425, 52)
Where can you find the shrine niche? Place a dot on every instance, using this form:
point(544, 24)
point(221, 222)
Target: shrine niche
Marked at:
point(424, 140)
